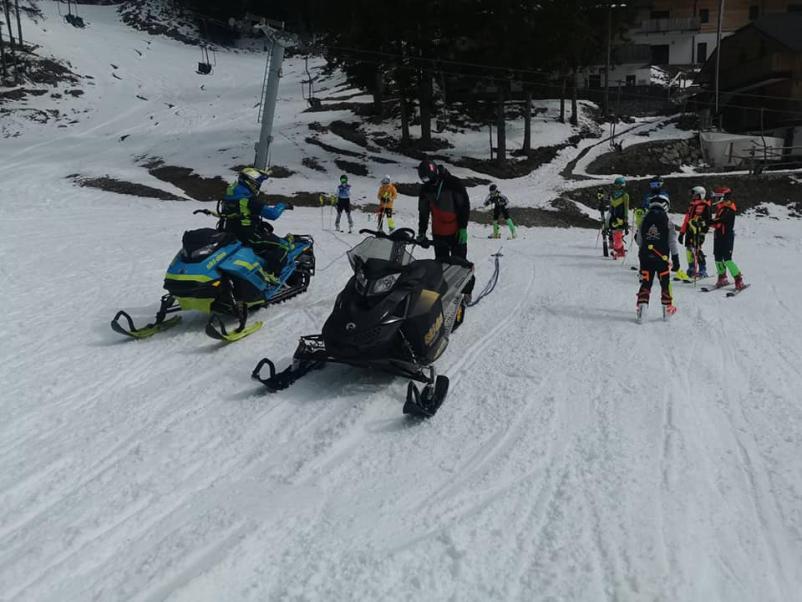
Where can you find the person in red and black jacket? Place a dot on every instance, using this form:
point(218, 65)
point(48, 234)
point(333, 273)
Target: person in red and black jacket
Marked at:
point(724, 238)
point(443, 197)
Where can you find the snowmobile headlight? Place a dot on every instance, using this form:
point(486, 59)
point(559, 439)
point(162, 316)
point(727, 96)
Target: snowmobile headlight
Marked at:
point(361, 281)
point(382, 285)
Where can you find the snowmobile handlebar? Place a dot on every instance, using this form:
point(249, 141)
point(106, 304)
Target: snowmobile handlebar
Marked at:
point(403, 235)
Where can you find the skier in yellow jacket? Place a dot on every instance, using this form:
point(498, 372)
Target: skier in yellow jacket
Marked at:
point(387, 195)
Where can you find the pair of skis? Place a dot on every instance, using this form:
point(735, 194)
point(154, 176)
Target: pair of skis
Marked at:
point(733, 293)
point(668, 311)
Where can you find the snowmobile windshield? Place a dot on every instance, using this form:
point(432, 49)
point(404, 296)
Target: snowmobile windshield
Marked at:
point(395, 254)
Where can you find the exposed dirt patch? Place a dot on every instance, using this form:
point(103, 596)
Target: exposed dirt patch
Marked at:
point(352, 132)
point(414, 148)
point(332, 149)
point(276, 171)
point(194, 185)
point(313, 163)
point(413, 189)
point(110, 184)
point(565, 215)
point(748, 191)
point(513, 168)
point(357, 169)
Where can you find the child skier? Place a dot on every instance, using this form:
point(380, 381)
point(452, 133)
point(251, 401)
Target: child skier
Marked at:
point(387, 195)
point(658, 241)
point(694, 228)
point(500, 203)
point(724, 238)
point(344, 203)
point(618, 221)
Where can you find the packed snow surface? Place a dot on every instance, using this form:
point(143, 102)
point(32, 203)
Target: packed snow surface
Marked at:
point(579, 456)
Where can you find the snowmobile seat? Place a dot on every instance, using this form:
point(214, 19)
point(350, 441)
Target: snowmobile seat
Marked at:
point(197, 245)
point(431, 275)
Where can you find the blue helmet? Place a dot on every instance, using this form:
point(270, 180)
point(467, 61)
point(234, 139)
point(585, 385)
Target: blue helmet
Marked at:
point(656, 183)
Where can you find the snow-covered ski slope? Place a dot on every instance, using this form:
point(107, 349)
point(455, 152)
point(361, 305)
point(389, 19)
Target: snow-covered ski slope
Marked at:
point(579, 456)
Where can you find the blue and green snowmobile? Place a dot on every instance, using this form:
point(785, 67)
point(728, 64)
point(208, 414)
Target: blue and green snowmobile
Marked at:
point(214, 273)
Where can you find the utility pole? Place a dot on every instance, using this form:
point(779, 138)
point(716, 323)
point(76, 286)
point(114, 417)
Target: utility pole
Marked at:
point(271, 95)
point(610, 7)
point(718, 48)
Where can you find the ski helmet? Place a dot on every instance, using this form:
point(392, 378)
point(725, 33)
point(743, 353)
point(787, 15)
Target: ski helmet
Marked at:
point(721, 193)
point(252, 178)
point(656, 183)
point(660, 200)
point(428, 171)
point(343, 179)
point(493, 188)
point(386, 180)
point(620, 182)
point(698, 192)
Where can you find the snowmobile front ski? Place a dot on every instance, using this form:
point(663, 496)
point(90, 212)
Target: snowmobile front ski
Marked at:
point(738, 290)
point(425, 403)
point(216, 329)
point(278, 381)
point(168, 306)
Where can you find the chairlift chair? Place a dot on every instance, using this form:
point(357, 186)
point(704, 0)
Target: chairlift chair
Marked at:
point(72, 17)
point(205, 66)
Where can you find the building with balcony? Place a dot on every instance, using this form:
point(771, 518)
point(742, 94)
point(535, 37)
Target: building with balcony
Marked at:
point(670, 36)
point(760, 78)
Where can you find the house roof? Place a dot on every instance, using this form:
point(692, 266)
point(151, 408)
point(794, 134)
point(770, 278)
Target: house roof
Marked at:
point(784, 28)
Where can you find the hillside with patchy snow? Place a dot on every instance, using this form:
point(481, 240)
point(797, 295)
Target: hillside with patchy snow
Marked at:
point(578, 456)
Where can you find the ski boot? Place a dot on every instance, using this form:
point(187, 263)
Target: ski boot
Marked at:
point(702, 272)
point(668, 311)
point(739, 282)
point(691, 271)
point(640, 309)
point(722, 281)
point(681, 276)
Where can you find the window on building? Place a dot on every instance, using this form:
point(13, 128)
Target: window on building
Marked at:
point(754, 12)
point(701, 52)
point(661, 14)
point(660, 54)
point(594, 81)
point(704, 15)
point(630, 80)
point(795, 8)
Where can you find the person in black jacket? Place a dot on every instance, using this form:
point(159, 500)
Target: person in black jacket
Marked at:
point(658, 241)
point(443, 197)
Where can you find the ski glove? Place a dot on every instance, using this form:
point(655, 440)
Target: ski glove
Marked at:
point(681, 238)
point(675, 263)
point(289, 207)
point(462, 236)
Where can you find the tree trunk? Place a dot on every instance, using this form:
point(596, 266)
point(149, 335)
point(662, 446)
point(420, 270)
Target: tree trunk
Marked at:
point(562, 101)
point(378, 93)
point(403, 105)
point(425, 97)
point(3, 68)
point(501, 127)
point(19, 26)
point(11, 44)
point(528, 123)
point(574, 103)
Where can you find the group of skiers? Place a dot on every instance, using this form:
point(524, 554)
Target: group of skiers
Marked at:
point(656, 236)
point(443, 200)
